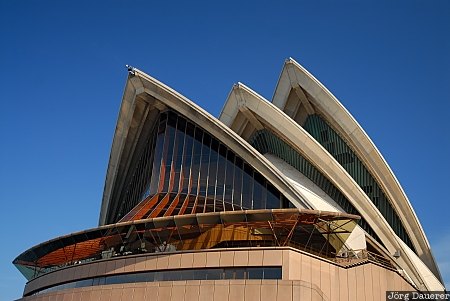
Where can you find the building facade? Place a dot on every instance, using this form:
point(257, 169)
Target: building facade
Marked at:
point(280, 200)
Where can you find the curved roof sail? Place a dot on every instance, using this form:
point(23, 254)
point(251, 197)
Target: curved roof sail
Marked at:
point(301, 95)
point(144, 99)
point(249, 114)
point(301, 127)
point(297, 172)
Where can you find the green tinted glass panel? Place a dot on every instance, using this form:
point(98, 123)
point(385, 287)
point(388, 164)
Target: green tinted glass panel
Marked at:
point(341, 151)
point(266, 142)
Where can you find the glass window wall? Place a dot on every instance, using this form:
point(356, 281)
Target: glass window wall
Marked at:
point(267, 142)
point(174, 275)
point(343, 153)
point(193, 172)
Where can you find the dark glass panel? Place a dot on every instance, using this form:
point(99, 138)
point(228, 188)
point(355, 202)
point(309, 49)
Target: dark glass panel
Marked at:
point(240, 273)
point(116, 279)
point(200, 274)
point(229, 274)
point(172, 276)
point(159, 276)
point(220, 179)
point(167, 155)
point(190, 127)
point(172, 119)
point(198, 134)
point(204, 164)
point(214, 274)
point(196, 157)
point(285, 203)
point(149, 276)
point(148, 167)
point(163, 117)
point(259, 191)
point(187, 274)
point(178, 155)
point(156, 170)
point(258, 202)
point(223, 150)
point(272, 273)
point(213, 160)
point(207, 139)
point(230, 156)
point(187, 159)
point(237, 184)
point(255, 273)
point(181, 124)
point(247, 186)
point(273, 197)
point(139, 277)
point(229, 180)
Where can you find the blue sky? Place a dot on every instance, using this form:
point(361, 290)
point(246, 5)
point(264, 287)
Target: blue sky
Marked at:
point(62, 75)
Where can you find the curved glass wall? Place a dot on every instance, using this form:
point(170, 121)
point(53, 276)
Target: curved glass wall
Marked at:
point(267, 142)
point(272, 273)
point(317, 127)
point(183, 169)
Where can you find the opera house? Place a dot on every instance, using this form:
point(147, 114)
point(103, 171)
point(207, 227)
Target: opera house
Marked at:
point(287, 199)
